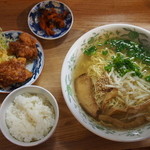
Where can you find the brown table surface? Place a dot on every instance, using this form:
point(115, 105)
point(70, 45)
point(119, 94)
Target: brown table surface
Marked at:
point(88, 14)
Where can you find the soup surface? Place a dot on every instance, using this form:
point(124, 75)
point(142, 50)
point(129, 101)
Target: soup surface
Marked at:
point(112, 82)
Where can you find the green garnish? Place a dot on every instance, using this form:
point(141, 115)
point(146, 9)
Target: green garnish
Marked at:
point(90, 51)
point(108, 67)
point(147, 78)
point(105, 52)
point(132, 49)
point(123, 65)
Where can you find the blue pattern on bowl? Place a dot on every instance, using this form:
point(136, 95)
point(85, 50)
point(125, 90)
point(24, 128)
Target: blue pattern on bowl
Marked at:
point(35, 67)
point(33, 21)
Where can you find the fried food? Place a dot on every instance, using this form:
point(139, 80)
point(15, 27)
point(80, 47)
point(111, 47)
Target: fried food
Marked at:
point(27, 39)
point(25, 47)
point(13, 71)
point(21, 50)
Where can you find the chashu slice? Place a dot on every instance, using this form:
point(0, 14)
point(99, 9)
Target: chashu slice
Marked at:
point(83, 88)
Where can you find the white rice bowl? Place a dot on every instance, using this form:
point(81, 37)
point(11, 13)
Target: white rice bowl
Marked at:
point(29, 116)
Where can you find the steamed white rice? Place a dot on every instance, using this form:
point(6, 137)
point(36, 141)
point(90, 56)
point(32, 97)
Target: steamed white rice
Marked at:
point(30, 117)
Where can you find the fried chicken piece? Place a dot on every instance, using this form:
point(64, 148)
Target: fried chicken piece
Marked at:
point(21, 50)
point(24, 47)
point(14, 71)
point(27, 39)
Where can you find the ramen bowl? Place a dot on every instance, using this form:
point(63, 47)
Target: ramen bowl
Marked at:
point(37, 117)
point(127, 31)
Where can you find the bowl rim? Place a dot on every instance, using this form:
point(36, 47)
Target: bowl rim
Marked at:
point(6, 103)
point(69, 53)
point(49, 38)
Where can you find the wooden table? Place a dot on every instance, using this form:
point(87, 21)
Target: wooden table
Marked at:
point(71, 135)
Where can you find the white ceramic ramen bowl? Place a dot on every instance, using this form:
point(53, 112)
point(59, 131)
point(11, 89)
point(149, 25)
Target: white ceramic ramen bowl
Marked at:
point(67, 83)
point(10, 98)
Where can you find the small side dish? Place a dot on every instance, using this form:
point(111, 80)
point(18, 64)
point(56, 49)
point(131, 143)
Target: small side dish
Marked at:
point(50, 19)
point(21, 59)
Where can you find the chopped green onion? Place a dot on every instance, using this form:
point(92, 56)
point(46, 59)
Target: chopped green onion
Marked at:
point(123, 65)
point(105, 52)
point(147, 78)
point(90, 51)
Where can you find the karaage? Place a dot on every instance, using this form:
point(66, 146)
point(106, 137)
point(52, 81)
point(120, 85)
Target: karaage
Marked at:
point(13, 71)
point(25, 47)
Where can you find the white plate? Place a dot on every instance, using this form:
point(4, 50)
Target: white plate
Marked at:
point(35, 66)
